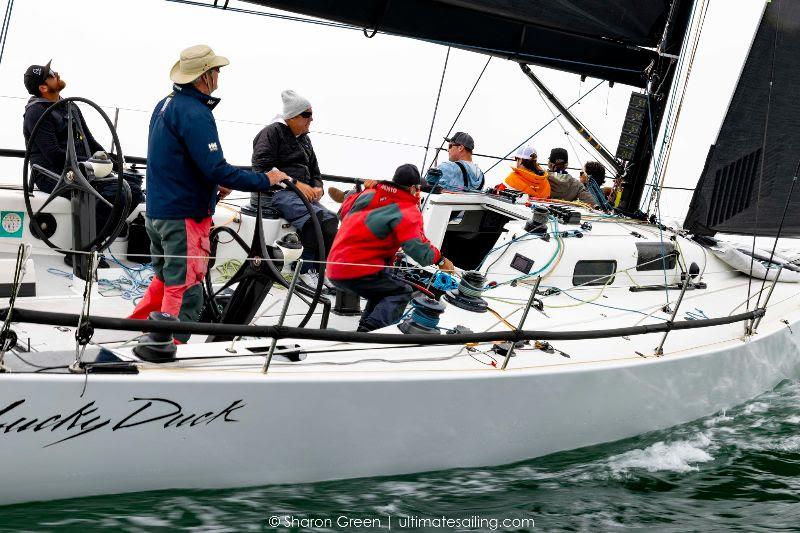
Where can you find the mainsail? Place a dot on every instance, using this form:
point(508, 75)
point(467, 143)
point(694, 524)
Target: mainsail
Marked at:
point(748, 172)
point(608, 39)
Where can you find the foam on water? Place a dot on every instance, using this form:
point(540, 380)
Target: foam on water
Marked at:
point(677, 456)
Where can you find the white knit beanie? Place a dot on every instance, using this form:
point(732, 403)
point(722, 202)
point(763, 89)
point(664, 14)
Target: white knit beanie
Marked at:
point(293, 103)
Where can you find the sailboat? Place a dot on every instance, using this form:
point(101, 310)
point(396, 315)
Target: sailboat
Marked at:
point(567, 327)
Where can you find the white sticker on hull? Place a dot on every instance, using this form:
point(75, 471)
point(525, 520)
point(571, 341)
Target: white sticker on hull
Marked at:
point(11, 224)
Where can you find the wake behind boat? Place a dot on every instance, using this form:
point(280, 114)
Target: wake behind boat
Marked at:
point(565, 327)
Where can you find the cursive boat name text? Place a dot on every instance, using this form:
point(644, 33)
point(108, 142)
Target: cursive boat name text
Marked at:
point(167, 414)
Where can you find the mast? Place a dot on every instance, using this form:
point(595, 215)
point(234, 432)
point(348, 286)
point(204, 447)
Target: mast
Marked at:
point(659, 83)
point(573, 120)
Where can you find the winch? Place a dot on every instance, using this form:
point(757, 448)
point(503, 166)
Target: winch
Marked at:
point(538, 222)
point(468, 294)
point(424, 316)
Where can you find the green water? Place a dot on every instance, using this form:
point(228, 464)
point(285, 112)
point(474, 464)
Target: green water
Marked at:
point(734, 471)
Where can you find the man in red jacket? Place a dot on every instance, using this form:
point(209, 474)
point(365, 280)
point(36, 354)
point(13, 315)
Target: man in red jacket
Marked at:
point(376, 223)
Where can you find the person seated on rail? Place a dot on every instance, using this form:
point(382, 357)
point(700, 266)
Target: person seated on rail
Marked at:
point(593, 175)
point(459, 172)
point(528, 176)
point(284, 144)
point(49, 148)
point(376, 223)
point(562, 185)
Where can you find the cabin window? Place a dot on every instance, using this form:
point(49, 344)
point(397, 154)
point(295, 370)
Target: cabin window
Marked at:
point(594, 272)
point(655, 256)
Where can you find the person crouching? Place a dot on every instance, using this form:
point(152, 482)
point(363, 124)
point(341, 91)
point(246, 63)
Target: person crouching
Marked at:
point(376, 223)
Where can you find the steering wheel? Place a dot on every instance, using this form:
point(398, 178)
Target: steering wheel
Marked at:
point(73, 177)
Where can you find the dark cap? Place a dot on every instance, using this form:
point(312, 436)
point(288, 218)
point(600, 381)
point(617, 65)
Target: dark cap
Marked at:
point(557, 154)
point(35, 76)
point(464, 139)
point(406, 175)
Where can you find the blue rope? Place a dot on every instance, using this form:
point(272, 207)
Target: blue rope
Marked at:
point(421, 316)
point(597, 192)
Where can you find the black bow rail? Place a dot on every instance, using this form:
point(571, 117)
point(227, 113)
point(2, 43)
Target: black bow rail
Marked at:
point(285, 332)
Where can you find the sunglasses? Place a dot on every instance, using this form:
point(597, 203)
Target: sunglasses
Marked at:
point(306, 114)
point(52, 74)
point(453, 144)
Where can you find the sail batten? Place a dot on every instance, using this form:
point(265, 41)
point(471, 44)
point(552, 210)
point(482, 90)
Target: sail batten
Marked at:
point(607, 39)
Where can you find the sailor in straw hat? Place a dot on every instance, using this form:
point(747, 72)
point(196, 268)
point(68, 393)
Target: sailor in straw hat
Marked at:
point(185, 171)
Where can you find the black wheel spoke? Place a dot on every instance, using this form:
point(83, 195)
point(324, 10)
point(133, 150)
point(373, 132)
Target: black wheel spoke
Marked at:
point(46, 172)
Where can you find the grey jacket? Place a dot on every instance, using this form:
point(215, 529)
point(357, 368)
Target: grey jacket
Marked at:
point(565, 187)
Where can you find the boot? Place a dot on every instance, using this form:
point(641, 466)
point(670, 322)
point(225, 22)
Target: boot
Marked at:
point(337, 195)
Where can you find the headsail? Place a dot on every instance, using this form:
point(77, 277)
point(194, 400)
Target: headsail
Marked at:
point(607, 39)
point(758, 147)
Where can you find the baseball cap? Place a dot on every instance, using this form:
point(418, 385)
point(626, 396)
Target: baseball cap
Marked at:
point(559, 154)
point(406, 175)
point(526, 152)
point(36, 75)
point(464, 139)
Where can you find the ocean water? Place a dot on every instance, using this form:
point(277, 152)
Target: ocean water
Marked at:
point(734, 471)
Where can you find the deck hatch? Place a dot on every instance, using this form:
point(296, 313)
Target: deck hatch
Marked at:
point(594, 272)
point(649, 254)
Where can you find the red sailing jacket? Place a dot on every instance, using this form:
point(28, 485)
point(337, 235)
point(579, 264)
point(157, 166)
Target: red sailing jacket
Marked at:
point(375, 224)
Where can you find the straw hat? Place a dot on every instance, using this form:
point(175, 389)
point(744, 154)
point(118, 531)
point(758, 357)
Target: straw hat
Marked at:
point(195, 61)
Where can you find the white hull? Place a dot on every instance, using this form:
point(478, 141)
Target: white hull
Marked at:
point(293, 428)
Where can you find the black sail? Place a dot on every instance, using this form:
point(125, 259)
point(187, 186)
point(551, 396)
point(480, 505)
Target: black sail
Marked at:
point(607, 39)
point(758, 146)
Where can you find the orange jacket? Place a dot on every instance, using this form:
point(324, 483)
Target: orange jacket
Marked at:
point(529, 182)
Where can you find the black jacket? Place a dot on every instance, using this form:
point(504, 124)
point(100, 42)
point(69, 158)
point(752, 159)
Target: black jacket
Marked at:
point(49, 148)
point(276, 146)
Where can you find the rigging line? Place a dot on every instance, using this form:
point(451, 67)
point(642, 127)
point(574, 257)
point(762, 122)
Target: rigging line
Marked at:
point(763, 150)
point(658, 205)
point(587, 93)
point(453, 125)
point(261, 124)
point(778, 234)
point(672, 123)
point(5, 28)
point(558, 121)
point(436, 108)
point(666, 150)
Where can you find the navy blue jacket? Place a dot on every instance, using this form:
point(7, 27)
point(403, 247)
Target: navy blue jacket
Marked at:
point(49, 148)
point(184, 158)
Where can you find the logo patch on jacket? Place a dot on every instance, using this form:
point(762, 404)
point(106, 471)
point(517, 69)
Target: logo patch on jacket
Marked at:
point(212, 147)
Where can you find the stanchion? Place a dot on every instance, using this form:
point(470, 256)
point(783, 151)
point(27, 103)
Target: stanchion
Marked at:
point(292, 285)
point(522, 321)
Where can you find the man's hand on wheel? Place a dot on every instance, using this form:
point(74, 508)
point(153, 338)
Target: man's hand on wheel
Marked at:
point(222, 192)
point(276, 176)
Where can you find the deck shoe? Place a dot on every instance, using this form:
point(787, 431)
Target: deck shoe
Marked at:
point(310, 280)
point(337, 195)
